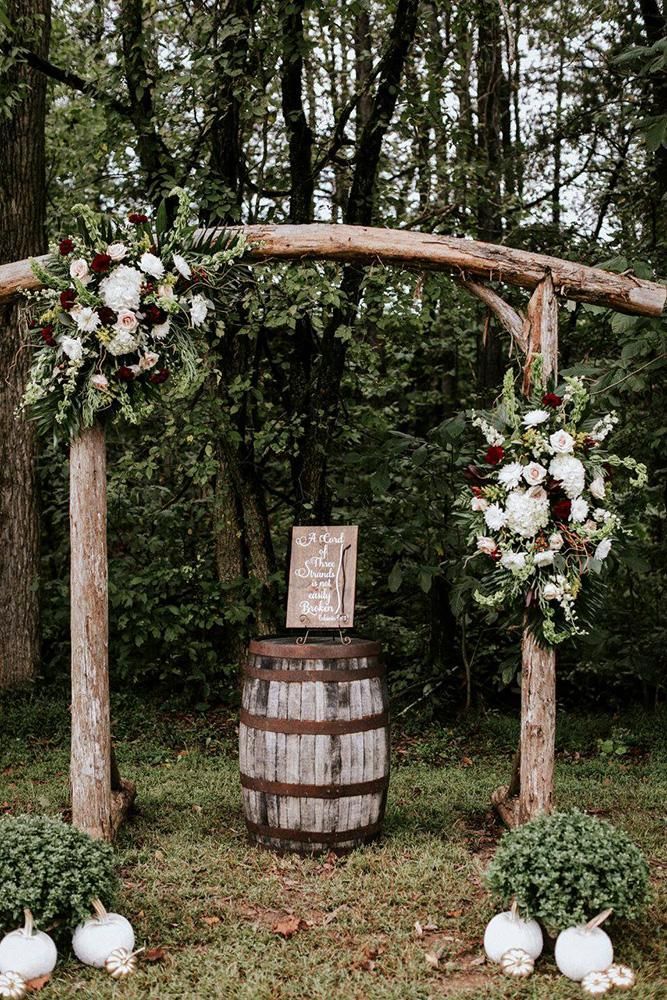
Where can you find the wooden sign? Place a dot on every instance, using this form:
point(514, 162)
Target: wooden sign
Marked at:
point(322, 579)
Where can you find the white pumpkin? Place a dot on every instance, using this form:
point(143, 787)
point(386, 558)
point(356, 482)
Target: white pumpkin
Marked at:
point(95, 939)
point(507, 931)
point(122, 962)
point(12, 986)
point(596, 984)
point(580, 950)
point(621, 977)
point(517, 962)
point(28, 952)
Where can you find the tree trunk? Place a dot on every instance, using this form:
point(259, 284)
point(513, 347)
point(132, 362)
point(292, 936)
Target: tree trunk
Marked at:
point(22, 215)
point(91, 727)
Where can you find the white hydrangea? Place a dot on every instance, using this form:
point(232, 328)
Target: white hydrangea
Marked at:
point(122, 343)
point(527, 512)
point(534, 417)
point(513, 561)
point(495, 517)
point(509, 475)
point(121, 288)
point(570, 473)
point(579, 510)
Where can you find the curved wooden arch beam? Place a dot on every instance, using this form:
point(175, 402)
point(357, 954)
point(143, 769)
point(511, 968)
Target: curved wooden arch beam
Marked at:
point(467, 259)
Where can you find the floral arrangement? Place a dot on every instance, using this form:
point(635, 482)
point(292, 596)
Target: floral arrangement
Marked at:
point(543, 505)
point(123, 303)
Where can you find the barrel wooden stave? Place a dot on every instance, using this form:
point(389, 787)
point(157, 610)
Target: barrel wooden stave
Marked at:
point(308, 759)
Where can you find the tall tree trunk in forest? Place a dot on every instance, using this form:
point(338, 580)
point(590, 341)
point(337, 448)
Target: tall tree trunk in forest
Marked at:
point(22, 234)
point(655, 28)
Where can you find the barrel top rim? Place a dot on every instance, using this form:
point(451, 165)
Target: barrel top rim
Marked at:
point(316, 649)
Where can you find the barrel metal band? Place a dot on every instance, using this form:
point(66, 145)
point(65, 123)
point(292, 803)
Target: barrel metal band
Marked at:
point(300, 791)
point(313, 727)
point(314, 836)
point(301, 676)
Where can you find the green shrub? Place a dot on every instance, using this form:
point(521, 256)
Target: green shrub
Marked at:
point(53, 869)
point(565, 868)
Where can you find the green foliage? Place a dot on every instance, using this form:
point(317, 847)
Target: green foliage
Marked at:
point(53, 869)
point(565, 868)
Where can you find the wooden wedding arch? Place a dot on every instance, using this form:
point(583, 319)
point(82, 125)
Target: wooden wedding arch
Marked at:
point(100, 797)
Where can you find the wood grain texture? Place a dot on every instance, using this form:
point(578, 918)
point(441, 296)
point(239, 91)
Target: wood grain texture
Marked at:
point(312, 791)
point(432, 251)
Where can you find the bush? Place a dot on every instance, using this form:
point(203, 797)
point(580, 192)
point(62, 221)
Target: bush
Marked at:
point(565, 868)
point(52, 869)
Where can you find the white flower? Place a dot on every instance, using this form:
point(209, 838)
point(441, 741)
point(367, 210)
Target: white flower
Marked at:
point(79, 269)
point(495, 517)
point(535, 417)
point(121, 288)
point(570, 473)
point(534, 473)
point(122, 343)
point(527, 512)
point(513, 561)
point(545, 558)
point(85, 318)
point(600, 514)
point(478, 504)
point(161, 330)
point(604, 427)
point(550, 592)
point(579, 510)
point(556, 541)
point(100, 382)
point(198, 309)
point(182, 266)
point(165, 291)
point(561, 442)
point(486, 544)
point(491, 435)
point(510, 475)
point(603, 549)
point(117, 251)
point(148, 360)
point(127, 321)
point(151, 264)
point(597, 488)
point(72, 347)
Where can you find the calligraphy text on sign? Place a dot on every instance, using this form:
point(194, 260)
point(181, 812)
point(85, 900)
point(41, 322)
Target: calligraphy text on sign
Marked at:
point(322, 578)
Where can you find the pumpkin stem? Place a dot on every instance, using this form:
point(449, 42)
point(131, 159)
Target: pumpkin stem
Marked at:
point(98, 906)
point(28, 922)
point(600, 919)
point(514, 909)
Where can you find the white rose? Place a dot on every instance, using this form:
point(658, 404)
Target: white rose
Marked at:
point(122, 343)
point(550, 592)
point(127, 321)
point(479, 504)
point(597, 488)
point(534, 473)
point(579, 510)
point(79, 269)
point(151, 264)
point(603, 549)
point(535, 417)
point(161, 330)
point(100, 382)
point(72, 347)
point(495, 517)
point(117, 251)
point(509, 475)
point(556, 541)
point(182, 266)
point(513, 561)
point(165, 291)
point(148, 360)
point(486, 544)
point(543, 558)
point(561, 442)
point(121, 289)
point(198, 309)
point(85, 318)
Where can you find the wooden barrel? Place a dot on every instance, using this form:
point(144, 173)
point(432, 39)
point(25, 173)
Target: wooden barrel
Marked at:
point(314, 744)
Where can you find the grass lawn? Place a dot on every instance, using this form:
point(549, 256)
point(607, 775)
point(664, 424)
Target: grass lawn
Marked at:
point(210, 908)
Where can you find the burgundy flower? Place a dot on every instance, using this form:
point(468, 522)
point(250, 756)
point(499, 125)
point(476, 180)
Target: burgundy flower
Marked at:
point(561, 509)
point(124, 374)
point(136, 218)
point(46, 333)
point(147, 288)
point(476, 491)
point(33, 324)
point(154, 314)
point(157, 378)
point(589, 443)
point(107, 315)
point(100, 263)
point(68, 298)
point(551, 399)
point(494, 454)
point(66, 246)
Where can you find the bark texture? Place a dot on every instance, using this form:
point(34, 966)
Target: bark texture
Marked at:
point(22, 214)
